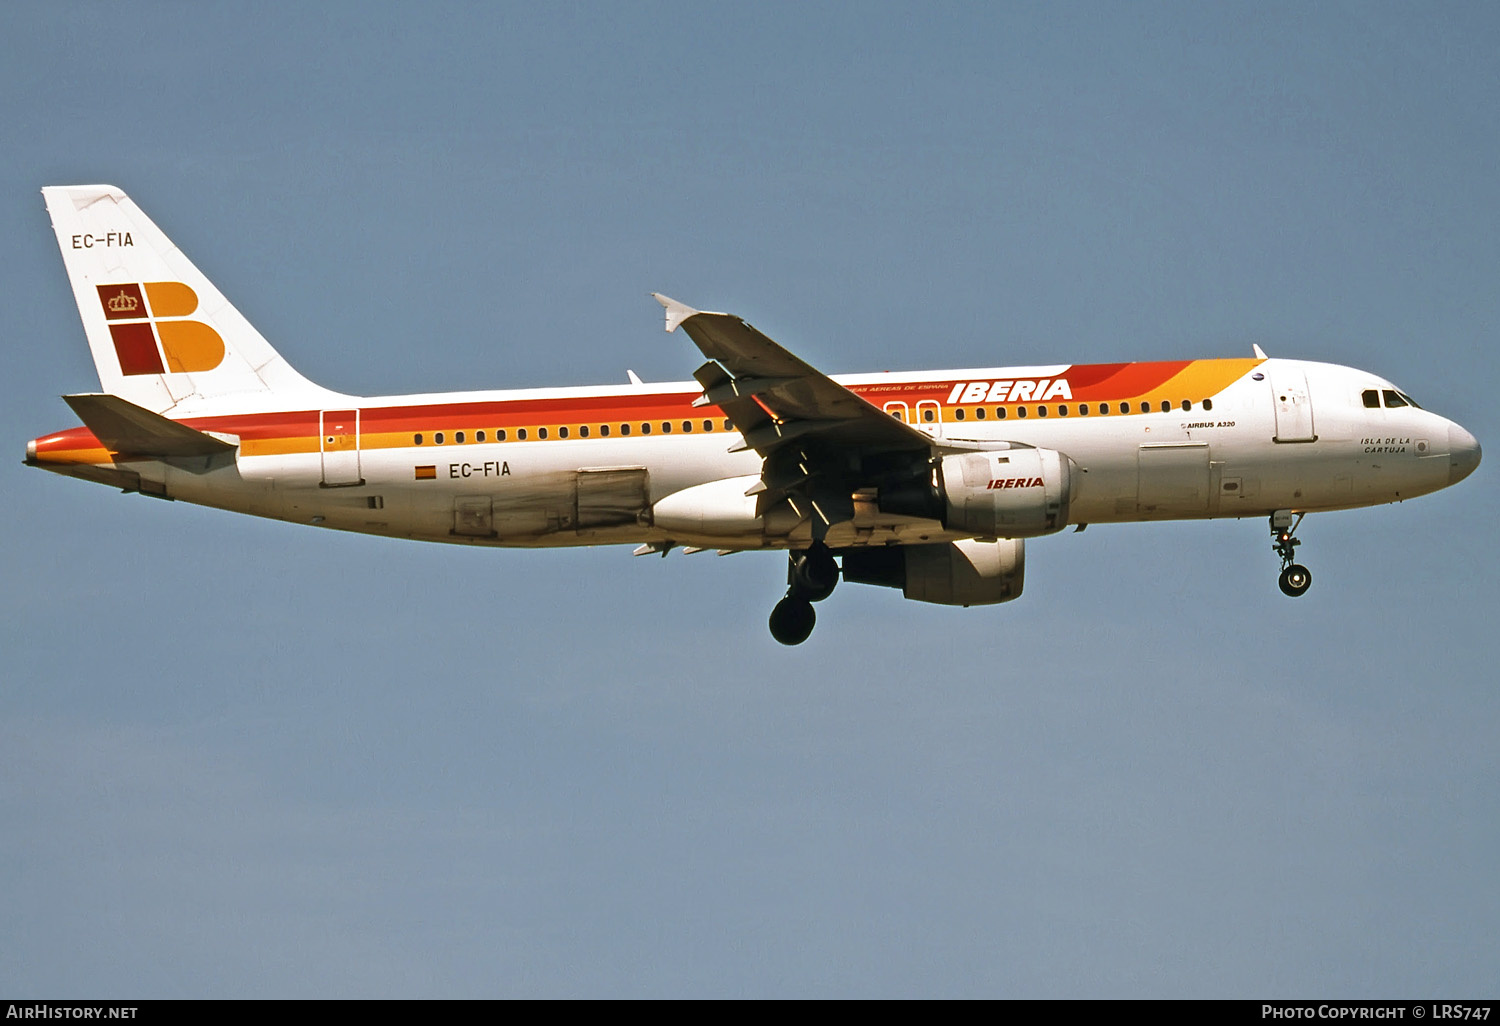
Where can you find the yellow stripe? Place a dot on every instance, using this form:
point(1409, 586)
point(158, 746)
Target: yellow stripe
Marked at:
point(93, 456)
point(1204, 379)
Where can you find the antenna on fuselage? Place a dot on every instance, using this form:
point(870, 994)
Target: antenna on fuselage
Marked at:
point(635, 379)
point(1259, 352)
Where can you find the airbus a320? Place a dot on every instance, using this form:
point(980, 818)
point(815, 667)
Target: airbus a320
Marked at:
point(927, 482)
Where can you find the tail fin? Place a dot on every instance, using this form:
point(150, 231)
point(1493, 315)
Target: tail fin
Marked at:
point(161, 334)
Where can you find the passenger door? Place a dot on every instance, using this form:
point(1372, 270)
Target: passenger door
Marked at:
point(339, 442)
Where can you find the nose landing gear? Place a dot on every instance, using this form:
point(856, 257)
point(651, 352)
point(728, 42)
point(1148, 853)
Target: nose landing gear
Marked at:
point(811, 577)
point(1295, 578)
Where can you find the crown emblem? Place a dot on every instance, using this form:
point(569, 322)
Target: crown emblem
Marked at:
point(124, 302)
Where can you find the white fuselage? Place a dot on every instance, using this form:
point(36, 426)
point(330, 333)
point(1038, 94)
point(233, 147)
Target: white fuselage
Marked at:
point(1225, 461)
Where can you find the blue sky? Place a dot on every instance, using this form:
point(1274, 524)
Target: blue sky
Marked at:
point(245, 758)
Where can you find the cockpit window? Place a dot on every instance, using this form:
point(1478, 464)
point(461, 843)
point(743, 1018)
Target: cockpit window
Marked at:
point(1371, 396)
point(1409, 400)
point(1393, 399)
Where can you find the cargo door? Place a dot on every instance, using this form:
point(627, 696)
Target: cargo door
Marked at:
point(611, 497)
point(1173, 479)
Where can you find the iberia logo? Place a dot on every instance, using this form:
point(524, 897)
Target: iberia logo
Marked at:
point(150, 334)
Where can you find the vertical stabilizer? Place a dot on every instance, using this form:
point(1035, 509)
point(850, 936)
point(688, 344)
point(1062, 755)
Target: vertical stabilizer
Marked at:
point(162, 336)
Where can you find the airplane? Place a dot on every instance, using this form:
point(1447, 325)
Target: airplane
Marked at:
point(928, 482)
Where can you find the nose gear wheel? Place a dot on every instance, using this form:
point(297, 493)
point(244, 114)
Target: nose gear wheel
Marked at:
point(1295, 578)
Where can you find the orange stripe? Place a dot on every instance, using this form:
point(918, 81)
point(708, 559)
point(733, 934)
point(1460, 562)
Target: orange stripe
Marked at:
point(93, 455)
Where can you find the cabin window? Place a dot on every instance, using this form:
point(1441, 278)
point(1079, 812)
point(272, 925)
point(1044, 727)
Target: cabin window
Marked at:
point(687, 426)
point(708, 425)
point(1021, 412)
point(416, 439)
point(726, 423)
point(1145, 407)
point(624, 429)
point(1083, 409)
point(927, 415)
point(583, 431)
point(541, 433)
point(1062, 411)
point(479, 435)
point(603, 430)
point(666, 427)
point(500, 435)
point(645, 429)
point(438, 438)
point(1041, 411)
point(521, 434)
point(458, 436)
point(979, 413)
point(1103, 408)
point(562, 432)
point(1208, 404)
point(999, 412)
point(1187, 404)
point(958, 414)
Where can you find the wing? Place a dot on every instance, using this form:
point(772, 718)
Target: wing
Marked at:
point(818, 441)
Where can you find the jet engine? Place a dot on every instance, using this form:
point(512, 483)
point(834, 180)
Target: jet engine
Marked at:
point(1013, 493)
point(964, 573)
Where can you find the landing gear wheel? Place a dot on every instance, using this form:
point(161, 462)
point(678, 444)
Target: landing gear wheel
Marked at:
point(813, 574)
point(792, 620)
point(1295, 580)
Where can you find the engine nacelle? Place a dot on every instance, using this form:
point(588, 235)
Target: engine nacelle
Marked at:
point(1017, 493)
point(964, 573)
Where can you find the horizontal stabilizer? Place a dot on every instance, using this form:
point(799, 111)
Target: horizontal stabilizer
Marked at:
point(123, 427)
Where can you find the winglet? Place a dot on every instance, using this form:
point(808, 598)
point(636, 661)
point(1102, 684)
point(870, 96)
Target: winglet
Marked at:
point(676, 312)
point(1259, 352)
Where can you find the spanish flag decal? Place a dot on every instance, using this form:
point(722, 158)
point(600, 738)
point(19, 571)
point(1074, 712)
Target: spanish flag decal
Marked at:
point(426, 473)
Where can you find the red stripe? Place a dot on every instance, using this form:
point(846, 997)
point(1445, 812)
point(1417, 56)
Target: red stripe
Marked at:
point(1090, 374)
point(1132, 379)
point(1088, 381)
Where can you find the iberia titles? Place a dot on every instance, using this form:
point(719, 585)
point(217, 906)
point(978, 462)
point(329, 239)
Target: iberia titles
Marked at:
point(1023, 390)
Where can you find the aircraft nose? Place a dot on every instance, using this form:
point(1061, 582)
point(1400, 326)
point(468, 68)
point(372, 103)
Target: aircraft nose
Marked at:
point(1463, 453)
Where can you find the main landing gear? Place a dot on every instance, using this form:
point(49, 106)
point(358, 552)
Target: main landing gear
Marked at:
point(811, 576)
point(1295, 578)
